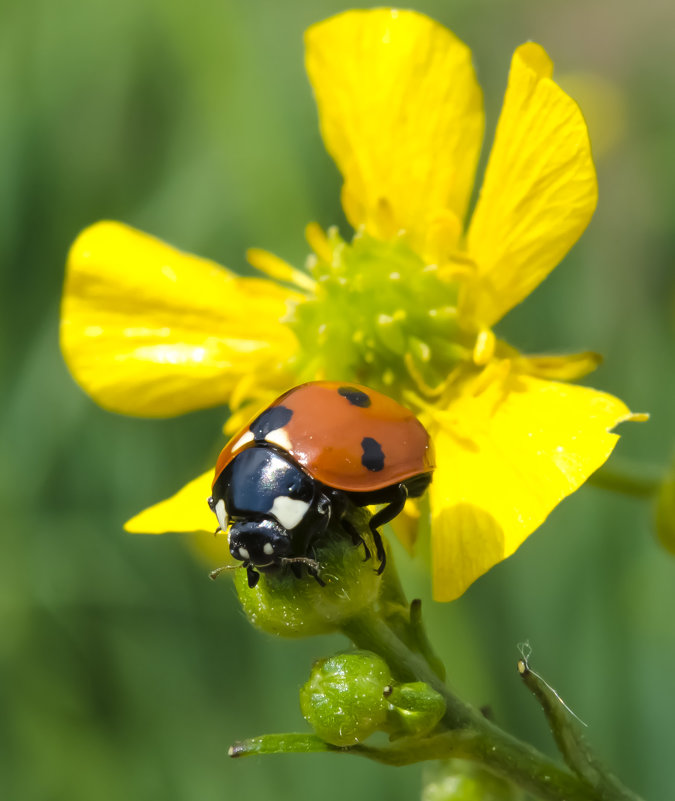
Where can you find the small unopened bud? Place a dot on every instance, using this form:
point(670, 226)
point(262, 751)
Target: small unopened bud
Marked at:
point(457, 780)
point(344, 699)
point(300, 606)
point(414, 709)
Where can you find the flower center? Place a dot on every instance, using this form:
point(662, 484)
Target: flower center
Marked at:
point(382, 315)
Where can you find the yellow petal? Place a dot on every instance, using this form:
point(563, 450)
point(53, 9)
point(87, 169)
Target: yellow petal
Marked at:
point(507, 453)
point(187, 510)
point(149, 330)
point(401, 113)
point(539, 190)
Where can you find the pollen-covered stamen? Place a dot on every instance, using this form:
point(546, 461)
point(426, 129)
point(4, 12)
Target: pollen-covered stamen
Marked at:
point(390, 329)
point(318, 241)
point(278, 269)
point(419, 349)
point(381, 313)
point(484, 347)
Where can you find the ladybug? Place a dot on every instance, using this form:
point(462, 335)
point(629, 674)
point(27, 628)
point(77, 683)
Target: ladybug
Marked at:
point(297, 465)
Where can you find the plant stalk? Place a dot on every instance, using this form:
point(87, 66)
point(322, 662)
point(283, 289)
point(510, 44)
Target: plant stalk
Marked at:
point(469, 735)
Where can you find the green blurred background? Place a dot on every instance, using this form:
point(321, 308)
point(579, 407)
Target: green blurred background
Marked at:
point(125, 673)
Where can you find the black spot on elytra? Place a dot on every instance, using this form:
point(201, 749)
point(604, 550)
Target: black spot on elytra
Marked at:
point(355, 396)
point(269, 421)
point(373, 458)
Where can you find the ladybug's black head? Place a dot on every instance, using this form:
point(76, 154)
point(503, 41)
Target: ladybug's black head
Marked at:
point(262, 543)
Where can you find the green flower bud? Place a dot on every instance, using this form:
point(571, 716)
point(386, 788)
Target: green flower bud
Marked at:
point(362, 312)
point(290, 606)
point(457, 780)
point(414, 708)
point(344, 699)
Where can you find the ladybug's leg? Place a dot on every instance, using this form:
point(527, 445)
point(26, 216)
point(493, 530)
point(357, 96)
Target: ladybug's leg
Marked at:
point(379, 548)
point(338, 504)
point(384, 516)
point(296, 563)
point(357, 539)
point(314, 571)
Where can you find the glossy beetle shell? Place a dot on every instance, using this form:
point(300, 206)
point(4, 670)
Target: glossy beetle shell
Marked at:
point(346, 436)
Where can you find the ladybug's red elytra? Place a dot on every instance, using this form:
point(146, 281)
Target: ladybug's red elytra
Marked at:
point(296, 466)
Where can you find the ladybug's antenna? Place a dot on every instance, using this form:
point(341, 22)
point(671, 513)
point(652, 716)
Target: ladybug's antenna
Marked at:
point(215, 573)
point(312, 566)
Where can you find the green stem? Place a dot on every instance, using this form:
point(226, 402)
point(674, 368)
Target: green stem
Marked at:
point(507, 757)
point(470, 735)
point(368, 631)
point(405, 619)
point(542, 777)
point(627, 478)
point(392, 629)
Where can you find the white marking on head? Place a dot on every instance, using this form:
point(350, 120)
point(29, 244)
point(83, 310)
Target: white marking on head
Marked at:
point(279, 437)
point(288, 511)
point(244, 439)
point(243, 553)
point(268, 549)
point(221, 514)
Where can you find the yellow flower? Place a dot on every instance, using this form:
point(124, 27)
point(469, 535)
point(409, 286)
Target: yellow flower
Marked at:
point(407, 306)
